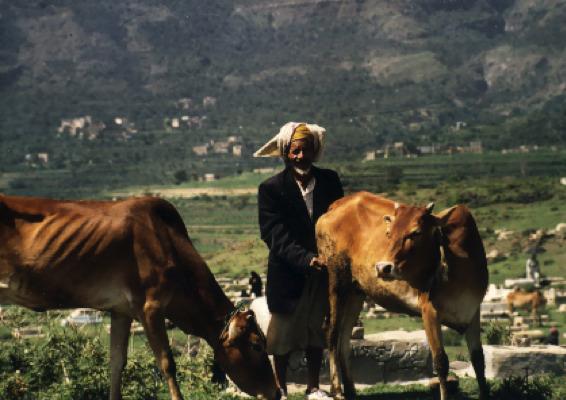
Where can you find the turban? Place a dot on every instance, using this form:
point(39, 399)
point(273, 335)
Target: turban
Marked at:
point(279, 144)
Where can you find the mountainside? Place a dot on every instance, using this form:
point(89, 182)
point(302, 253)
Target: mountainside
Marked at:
point(374, 71)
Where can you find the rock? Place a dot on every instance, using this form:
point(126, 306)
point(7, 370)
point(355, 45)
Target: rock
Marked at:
point(377, 361)
point(400, 335)
point(496, 311)
point(459, 365)
point(520, 341)
point(492, 254)
point(519, 283)
point(537, 235)
point(532, 334)
point(495, 294)
point(503, 234)
point(358, 332)
point(504, 361)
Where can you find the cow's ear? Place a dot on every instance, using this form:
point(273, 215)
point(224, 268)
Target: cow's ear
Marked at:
point(444, 215)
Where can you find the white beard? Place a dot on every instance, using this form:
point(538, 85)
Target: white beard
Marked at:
point(302, 172)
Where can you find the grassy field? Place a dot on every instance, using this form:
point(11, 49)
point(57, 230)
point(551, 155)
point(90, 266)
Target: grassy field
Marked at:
point(225, 229)
point(516, 193)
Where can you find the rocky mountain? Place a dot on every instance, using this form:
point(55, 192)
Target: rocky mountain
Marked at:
point(373, 70)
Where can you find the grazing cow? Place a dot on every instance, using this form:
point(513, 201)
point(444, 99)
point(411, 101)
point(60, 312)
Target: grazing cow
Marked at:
point(408, 261)
point(521, 299)
point(133, 258)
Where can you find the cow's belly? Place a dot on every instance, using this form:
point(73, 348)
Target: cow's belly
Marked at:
point(522, 303)
point(37, 295)
point(395, 296)
point(456, 311)
point(459, 311)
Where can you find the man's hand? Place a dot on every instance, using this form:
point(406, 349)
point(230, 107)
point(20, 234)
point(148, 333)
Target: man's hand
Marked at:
point(316, 263)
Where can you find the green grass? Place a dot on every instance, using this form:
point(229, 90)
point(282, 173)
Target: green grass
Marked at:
point(396, 322)
point(245, 180)
point(225, 230)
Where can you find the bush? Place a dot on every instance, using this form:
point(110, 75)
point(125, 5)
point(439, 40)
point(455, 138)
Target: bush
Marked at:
point(13, 386)
point(69, 365)
point(519, 388)
point(451, 338)
point(180, 176)
point(497, 334)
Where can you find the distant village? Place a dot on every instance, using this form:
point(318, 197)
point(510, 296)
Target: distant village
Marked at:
point(400, 149)
point(120, 128)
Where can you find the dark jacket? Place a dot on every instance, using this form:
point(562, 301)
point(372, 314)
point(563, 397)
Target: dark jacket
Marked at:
point(289, 232)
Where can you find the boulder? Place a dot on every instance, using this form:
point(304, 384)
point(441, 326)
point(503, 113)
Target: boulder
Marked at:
point(504, 361)
point(381, 358)
point(358, 332)
point(390, 361)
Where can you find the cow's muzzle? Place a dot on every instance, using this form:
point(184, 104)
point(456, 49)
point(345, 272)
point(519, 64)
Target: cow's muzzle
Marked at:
point(385, 270)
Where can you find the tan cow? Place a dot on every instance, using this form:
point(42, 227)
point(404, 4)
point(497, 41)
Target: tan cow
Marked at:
point(133, 258)
point(534, 301)
point(408, 261)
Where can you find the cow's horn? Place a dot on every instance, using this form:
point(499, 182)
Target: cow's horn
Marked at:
point(429, 207)
point(397, 205)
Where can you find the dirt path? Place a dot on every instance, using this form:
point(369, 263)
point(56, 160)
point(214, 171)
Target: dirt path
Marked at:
point(188, 192)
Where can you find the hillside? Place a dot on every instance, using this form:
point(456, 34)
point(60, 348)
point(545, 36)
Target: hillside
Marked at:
point(376, 71)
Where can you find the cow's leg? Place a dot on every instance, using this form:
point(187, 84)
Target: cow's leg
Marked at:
point(154, 325)
point(431, 324)
point(333, 333)
point(351, 311)
point(119, 334)
point(473, 340)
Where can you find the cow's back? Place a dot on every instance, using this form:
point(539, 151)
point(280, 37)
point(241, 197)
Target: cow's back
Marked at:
point(98, 254)
point(352, 237)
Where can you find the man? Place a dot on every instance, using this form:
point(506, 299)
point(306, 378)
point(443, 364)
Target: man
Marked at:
point(289, 204)
point(256, 285)
point(552, 337)
point(532, 269)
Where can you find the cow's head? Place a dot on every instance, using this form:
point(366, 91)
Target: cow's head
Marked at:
point(242, 354)
point(412, 251)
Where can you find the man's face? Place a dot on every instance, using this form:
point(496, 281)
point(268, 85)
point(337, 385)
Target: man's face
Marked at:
point(301, 154)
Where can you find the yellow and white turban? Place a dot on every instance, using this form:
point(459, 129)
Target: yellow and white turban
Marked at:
point(277, 146)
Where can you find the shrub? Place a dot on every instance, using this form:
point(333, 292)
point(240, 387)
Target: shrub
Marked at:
point(519, 388)
point(69, 364)
point(497, 334)
point(13, 386)
point(451, 338)
point(180, 176)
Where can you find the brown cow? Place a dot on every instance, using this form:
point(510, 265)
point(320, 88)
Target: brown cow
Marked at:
point(521, 299)
point(133, 258)
point(408, 261)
